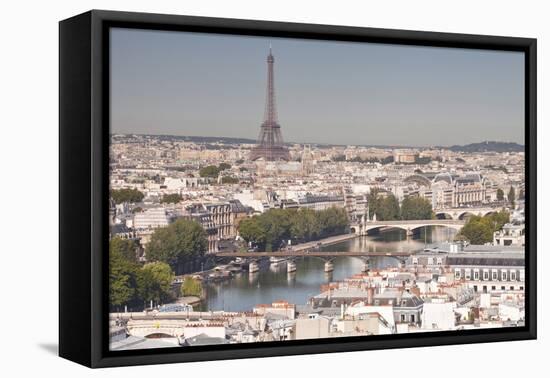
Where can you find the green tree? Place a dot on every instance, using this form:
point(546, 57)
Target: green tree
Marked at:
point(252, 231)
point(497, 220)
point(305, 225)
point(512, 196)
point(171, 198)
point(229, 180)
point(384, 205)
point(477, 231)
point(414, 207)
point(122, 272)
point(269, 230)
point(389, 209)
point(374, 202)
point(174, 244)
point(223, 167)
point(126, 195)
point(154, 282)
point(500, 194)
point(210, 171)
point(126, 248)
point(276, 227)
point(191, 287)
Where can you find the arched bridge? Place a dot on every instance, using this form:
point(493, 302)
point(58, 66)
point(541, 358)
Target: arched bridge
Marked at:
point(152, 328)
point(408, 225)
point(463, 212)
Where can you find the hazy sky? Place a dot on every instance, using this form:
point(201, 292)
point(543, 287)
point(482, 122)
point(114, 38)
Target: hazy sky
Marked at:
point(183, 83)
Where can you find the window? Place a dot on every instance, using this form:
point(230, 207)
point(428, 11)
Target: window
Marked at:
point(457, 274)
point(403, 318)
point(503, 288)
point(493, 288)
point(412, 318)
point(475, 288)
point(495, 275)
point(522, 275)
point(504, 275)
point(485, 288)
point(430, 260)
point(415, 260)
point(485, 275)
point(476, 274)
point(468, 274)
point(521, 287)
point(439, 261)
point(513, 275)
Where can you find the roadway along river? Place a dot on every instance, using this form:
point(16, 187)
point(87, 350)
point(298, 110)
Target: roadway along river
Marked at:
point(272, 283)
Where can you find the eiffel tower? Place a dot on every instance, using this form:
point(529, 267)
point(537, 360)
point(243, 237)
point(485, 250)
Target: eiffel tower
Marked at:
point(270, 145)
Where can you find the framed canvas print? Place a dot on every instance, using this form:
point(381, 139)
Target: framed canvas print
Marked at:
point(234, 188)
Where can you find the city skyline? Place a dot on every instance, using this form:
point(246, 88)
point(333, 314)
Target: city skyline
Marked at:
point(290, 142)
point(463, 89)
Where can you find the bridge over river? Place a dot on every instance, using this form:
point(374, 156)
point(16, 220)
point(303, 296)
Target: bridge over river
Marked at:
point(361, 229)
point(326, 256)
point(407, 225)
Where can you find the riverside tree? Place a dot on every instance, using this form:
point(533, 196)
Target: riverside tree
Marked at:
point(479, 230)
point(269, 230)
point(130, 283)
point(414, 208)
point(174, 244)
point(154, 282)
point(191, 287)
point(122, 272)
point(384, 205)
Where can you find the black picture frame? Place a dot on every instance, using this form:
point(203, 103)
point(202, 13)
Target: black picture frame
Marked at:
point(83, 181)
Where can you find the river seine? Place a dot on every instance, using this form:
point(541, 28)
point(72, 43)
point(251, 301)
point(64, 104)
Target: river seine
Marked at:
point(272, 282)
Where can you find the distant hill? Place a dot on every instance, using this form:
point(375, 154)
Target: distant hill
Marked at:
point(206, 139)
point(489, 147)
point(195, 139)
point(473, 147)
